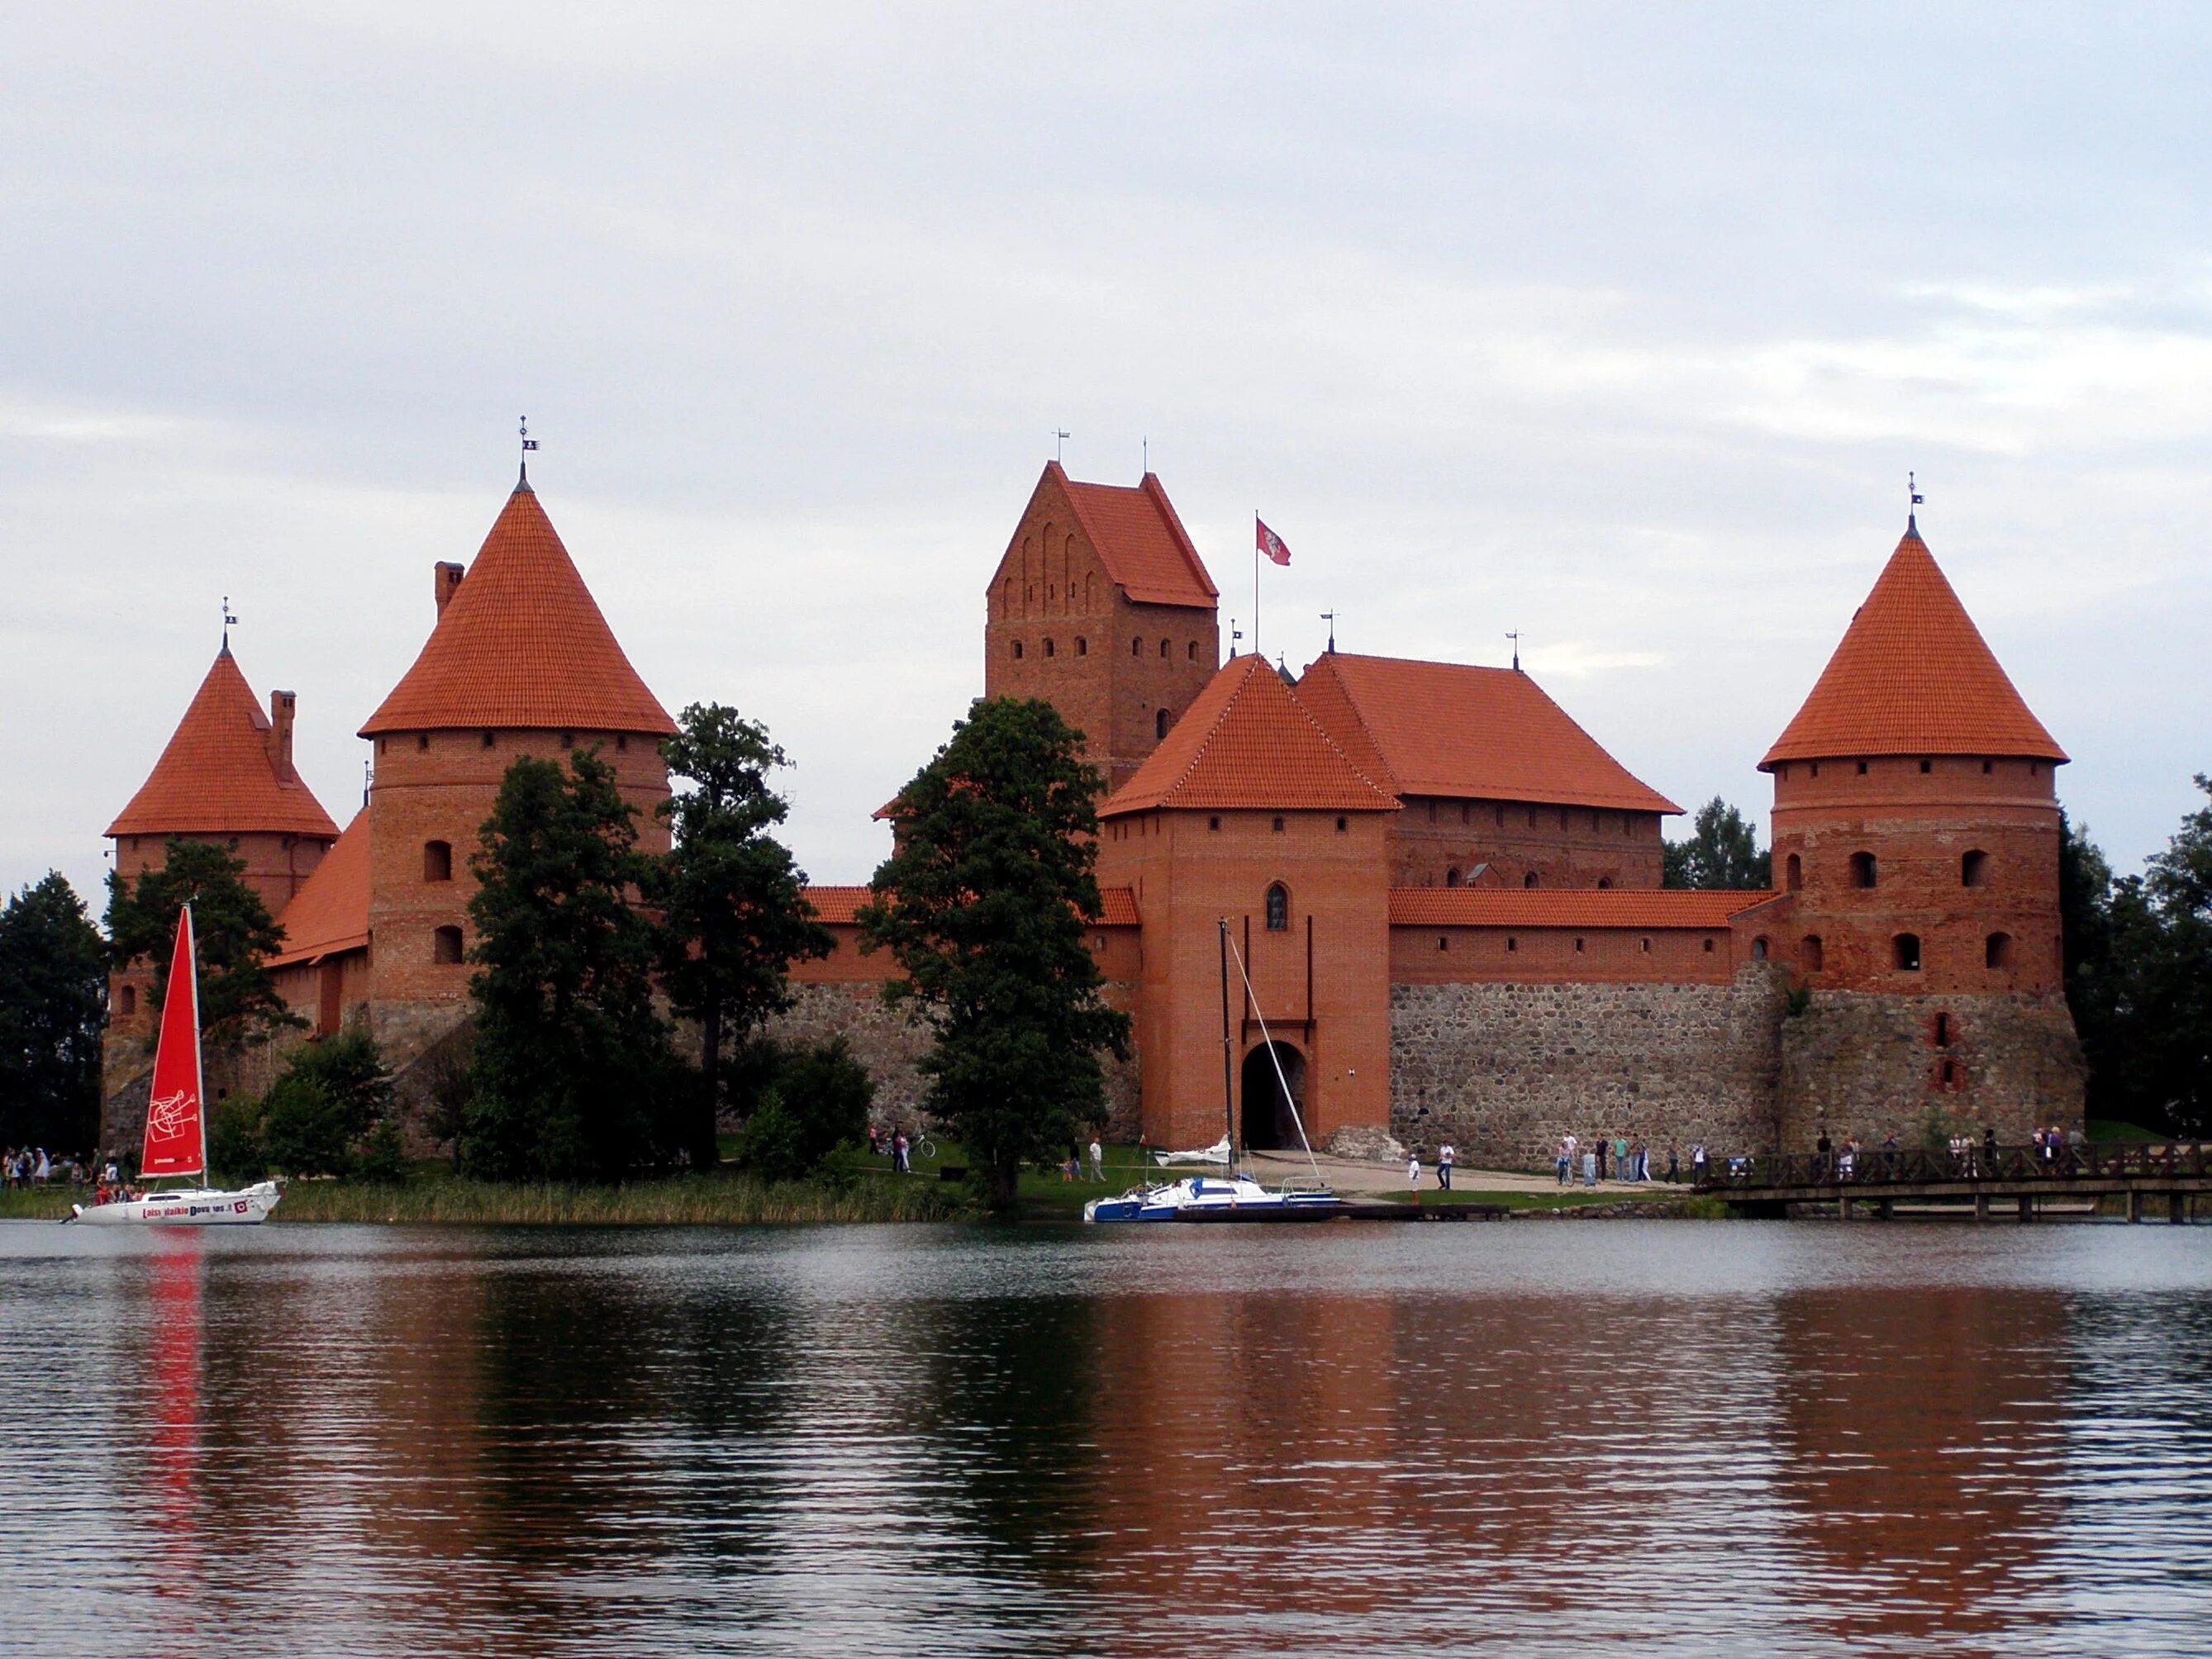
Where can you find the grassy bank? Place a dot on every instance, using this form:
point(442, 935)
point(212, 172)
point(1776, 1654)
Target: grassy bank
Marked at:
point(678, 1201)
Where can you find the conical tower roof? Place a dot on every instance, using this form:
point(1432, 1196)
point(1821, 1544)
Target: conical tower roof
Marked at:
point(1247, 743)
point(217, 777)
point(1913, 676)
point(521, 643)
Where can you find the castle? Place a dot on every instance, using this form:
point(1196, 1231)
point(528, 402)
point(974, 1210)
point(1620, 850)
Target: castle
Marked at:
point(1443, 894)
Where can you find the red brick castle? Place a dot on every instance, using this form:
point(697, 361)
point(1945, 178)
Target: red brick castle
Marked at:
point(1445, 891)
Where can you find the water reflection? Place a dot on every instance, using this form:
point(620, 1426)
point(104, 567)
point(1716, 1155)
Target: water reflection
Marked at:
point(1700, 1440)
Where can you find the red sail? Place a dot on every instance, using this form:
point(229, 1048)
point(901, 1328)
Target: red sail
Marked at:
point(176, 1135)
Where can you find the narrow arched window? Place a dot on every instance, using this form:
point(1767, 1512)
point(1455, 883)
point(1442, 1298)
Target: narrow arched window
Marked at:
point(1997, 950)
point(1166, 646)
point(1604, 884)
point(1018, 650)
point(437, 860)
point(1759, 949)
point(1451, 877)
point(1862, 870)
point(1973, 869)
point(1049, 648)
point(1081, 646)
point(1809, 953)
point(1529, 880)
point(1278, 909)
point(1794, 872)
point(445, 944)
point(1160, 724)
point(1136, 648)
point(1904, 952)
point(130, 1001)
point(1193, 652)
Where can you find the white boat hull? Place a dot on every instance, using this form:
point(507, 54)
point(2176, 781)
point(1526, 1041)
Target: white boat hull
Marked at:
point(1215, 1197)
point(203, 1207)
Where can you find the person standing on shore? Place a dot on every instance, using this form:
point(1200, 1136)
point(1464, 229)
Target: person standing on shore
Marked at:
point(899, 1164)
point(1563, 1158)
point(1414, 1170)
point(1097, 1160)
point(1597, 1150)
point(1444, 1167)
point(1590, 1166)
point(1673, 1163)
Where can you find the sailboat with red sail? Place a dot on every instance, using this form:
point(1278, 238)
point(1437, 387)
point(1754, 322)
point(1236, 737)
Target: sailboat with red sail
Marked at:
point(176, 1122)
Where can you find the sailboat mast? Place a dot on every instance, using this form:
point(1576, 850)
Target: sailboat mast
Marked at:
point(200, 1069)
point(1228, 1061)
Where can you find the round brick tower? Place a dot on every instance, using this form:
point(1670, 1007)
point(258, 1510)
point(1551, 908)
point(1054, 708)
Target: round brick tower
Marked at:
point(519, 663)
point(225, 776)
point(1916, 844)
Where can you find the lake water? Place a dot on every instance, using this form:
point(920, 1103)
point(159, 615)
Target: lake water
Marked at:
point(1533, 1437)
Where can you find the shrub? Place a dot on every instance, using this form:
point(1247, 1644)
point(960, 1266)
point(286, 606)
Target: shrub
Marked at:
point(383, 1158)
point(235, 1138)
point(819, 1102)
point(316, 1115)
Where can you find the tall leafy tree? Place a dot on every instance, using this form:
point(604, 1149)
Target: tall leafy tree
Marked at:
point(732, 901)
point(2177, 977)
point(1723, 851)
point(570, 1076)
point(984, 903)
point(232, 927)
point(53, 976)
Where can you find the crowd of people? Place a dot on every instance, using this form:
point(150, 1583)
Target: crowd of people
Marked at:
point(1622, 1157)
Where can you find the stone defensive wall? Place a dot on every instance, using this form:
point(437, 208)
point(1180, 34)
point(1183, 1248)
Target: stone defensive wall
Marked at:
point(1503, 1069)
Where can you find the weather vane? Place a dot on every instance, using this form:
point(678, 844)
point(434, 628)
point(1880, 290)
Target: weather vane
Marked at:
point(1059, 438)
point(230, 621)
point(1514, 634)
point(1329, 617)
point(1913, 489)
point(1235, 634)
point(529, 443)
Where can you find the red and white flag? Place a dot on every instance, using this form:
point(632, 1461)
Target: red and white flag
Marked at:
point(1270, 543)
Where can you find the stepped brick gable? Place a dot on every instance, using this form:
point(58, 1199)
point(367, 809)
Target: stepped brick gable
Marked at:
point(1101, 607)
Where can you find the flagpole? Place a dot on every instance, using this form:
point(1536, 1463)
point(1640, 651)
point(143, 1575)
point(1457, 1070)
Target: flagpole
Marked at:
point(1255, 583)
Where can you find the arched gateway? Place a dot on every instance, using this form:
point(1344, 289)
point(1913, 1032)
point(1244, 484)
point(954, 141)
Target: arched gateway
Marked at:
point(1268, 1124)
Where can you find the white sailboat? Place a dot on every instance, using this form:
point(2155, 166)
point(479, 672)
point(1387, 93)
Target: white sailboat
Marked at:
point(176, 1123)
point(1235, 1196)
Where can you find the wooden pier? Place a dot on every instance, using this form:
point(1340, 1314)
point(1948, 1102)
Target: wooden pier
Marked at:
point(2021, 1179)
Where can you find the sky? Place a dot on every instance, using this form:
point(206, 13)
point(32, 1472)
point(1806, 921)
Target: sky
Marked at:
point(1619, 326)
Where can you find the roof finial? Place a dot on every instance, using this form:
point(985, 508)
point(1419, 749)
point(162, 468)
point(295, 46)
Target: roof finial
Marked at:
point(1145, 449)
point(1329, 617)
point(1916, 499)
point(230, 621)
point(529, 443)
point(1059, 437)
point(1235, 634)
point(1514, 634)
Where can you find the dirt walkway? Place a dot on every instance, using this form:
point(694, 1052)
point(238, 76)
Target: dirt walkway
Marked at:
point(1352, 1176)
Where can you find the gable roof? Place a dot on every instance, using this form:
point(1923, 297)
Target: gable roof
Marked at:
point(216, 776)
point(1245, 742)
point(1568, 906)
point(329, 913)
point(1138, 539)
point(1452, 729)
point(1913, 676)
point(521, 643)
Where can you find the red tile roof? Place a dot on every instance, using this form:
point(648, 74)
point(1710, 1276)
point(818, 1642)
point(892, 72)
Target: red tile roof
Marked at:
point(1448, 729)
point(1913, 676)
point(215, 776)
point(1247, 743)
point(1139, 539)
point(1567, 907)
point(521, 643)
point(840, 906)
point(329, 913)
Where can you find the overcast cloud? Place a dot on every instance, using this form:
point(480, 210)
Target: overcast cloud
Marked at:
point(1616, 326)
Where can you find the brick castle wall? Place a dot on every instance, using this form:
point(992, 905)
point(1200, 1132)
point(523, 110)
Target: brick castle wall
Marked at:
point(1560, 846)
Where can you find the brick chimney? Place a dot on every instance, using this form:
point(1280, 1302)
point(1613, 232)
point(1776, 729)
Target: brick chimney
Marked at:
point(444, 581)
point(279, 735)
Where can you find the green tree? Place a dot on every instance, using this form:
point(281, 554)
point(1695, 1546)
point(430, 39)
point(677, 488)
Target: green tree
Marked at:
point(318, 1113)
point(231, 928)
point(2176, 971)
point(571, 1077)
point(1723, 851)
point(818, 1103)
point(53, 983)
point(732, 901)
point(984, 902)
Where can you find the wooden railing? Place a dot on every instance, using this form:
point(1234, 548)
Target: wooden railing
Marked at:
point(1879, 1166)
